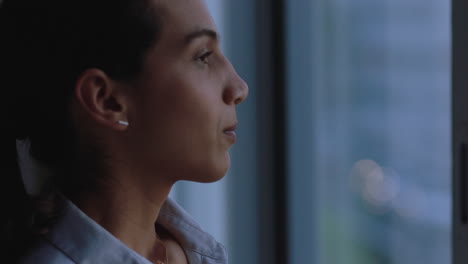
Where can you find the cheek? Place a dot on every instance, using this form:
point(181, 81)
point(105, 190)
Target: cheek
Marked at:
point(188, 150)
point(182, 135)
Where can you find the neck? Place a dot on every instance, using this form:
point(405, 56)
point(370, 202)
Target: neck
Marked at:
point(128, 210)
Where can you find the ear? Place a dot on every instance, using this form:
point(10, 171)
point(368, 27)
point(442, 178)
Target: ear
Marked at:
point(102, 99)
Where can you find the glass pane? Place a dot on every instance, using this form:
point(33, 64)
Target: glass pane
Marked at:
point(218, 207)
point(197, 197)
point(369, 113)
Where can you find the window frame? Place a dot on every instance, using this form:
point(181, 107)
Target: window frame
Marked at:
point(272, 132)
point(459, 132)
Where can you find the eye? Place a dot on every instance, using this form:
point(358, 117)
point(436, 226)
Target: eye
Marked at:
point(204, 57)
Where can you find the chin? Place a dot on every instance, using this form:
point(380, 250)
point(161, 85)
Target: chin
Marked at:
point(218, 170)
point(213, 177)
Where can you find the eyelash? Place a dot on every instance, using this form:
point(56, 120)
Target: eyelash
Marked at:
point(204, 57)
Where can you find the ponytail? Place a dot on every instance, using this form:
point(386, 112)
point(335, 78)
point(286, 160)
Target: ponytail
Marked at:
point(25, 218)
point(16, 223)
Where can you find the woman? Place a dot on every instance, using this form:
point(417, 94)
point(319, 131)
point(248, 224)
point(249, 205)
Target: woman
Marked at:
point(119, 99)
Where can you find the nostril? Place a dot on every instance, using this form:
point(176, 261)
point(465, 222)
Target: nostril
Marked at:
point(228, 97)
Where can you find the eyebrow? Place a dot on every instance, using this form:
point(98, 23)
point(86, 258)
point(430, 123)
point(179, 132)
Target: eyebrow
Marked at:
point(204, 32)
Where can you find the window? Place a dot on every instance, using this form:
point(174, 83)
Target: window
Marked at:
point(369, 131)
point(366, 148)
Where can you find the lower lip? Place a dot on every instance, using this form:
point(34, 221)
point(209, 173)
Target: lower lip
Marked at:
point(231, 135)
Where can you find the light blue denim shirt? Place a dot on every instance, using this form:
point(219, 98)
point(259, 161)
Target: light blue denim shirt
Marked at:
point(77, 239)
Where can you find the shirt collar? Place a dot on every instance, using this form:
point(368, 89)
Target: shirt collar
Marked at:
point(199, 246)
point(85, 241)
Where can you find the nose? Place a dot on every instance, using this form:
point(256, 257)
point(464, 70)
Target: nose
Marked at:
point(236, 89)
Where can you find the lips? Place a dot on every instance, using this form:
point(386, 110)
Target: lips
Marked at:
point(230, 132)
point(231, 128)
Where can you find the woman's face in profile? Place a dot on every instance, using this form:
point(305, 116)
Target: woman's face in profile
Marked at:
point(183, 109)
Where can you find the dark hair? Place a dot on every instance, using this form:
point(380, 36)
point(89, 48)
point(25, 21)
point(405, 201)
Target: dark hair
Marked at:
point(44, 47)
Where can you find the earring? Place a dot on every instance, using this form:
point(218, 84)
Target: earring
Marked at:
point(124, 123)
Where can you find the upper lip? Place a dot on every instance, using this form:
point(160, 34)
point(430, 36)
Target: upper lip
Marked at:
point(231, 128)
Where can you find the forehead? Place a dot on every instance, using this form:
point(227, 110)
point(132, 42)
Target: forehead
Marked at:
point(184, 16)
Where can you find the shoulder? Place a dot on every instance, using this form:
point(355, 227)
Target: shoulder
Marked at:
point(44, 252)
